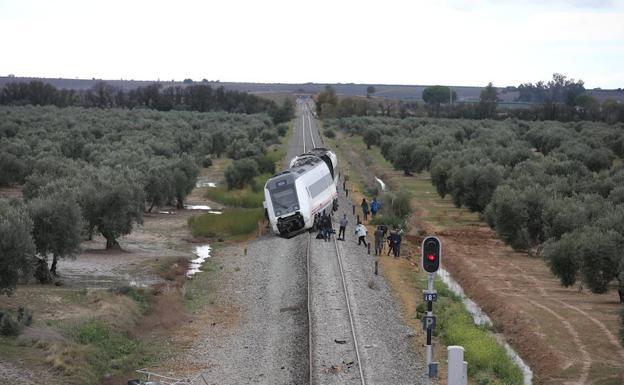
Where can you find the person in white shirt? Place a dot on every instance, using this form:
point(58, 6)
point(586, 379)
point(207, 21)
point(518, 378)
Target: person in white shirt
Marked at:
point(360, 231)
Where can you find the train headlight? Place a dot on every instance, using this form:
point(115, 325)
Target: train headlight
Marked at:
point(295, 207)
point(278, 213)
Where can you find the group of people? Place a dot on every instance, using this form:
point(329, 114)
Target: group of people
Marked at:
point(374, 207)
point(394, 240)
point(324, 224)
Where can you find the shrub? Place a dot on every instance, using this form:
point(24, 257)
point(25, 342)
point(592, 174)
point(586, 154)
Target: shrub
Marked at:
point(266, 165)
point(388, 220)
point(240, 173)
point(9, 326)
point(282, 129)
point(206, 162)
point(397, 205)
point(24, 316)
point(329, 133)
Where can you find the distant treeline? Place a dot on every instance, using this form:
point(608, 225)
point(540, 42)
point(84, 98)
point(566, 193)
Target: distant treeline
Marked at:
point(199, 97)
point(560, 99)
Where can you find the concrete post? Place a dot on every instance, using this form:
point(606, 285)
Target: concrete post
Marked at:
point(456, 365)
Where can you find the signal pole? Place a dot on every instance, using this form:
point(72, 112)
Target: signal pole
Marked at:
point(431, 256)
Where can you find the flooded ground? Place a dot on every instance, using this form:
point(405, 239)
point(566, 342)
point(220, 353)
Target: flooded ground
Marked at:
point(202, 253)
point(161, 239)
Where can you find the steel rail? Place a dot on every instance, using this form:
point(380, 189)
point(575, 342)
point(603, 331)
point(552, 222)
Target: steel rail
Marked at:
point(310, 360)
point(344, 286)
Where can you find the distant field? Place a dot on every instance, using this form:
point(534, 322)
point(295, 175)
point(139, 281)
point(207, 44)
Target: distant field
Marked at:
point(405, 92)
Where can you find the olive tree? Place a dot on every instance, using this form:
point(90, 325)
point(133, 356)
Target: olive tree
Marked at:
point(241, 172)
point(371, 137)
point(590, 252)
point(57, 226)
point(112, 201)
point(17, 248)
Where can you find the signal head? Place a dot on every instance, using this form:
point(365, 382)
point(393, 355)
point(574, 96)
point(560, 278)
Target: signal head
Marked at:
point(431, 254)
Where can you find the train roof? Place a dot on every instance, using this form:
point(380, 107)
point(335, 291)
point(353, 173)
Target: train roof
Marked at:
point(304, 163)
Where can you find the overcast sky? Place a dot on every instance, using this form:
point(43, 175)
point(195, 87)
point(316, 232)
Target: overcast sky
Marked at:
point(457, 42)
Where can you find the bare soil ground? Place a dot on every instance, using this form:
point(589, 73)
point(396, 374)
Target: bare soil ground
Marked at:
point(566, 335)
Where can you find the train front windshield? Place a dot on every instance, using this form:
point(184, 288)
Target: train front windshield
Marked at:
point(284, 199)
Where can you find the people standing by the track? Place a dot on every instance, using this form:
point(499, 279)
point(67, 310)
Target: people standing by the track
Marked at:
point(343, 228)
point(391, 238)
point(397, 238)
point(364, 209)
point(360, 231)
point(374, 207)
point(326, 226)
point(379, 240)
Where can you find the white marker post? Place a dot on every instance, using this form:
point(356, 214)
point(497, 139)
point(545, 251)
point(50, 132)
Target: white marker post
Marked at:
point(457, 367)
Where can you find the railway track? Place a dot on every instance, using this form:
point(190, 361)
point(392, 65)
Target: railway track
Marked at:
point(312, 343)
point(331, 350)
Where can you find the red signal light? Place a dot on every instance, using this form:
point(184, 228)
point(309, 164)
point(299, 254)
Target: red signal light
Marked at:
point(431, 254)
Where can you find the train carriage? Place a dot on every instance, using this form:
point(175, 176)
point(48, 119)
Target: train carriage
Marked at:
point(295, 196)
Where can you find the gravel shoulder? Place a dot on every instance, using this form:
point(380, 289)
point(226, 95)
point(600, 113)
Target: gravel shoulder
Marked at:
point(254, 330)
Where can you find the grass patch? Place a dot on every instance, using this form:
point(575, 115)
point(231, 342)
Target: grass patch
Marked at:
point(200, 290)
point(104, 350)
point(245, 198)
point(235, 221)
point(488, 362)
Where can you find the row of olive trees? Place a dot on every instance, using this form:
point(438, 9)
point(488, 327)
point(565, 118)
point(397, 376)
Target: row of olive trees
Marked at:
point(548, 188)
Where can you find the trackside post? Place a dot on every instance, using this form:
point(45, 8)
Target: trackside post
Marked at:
point(431, 256)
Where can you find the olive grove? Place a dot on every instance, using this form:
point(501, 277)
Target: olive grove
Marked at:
point(93, 171)
point(553, 189)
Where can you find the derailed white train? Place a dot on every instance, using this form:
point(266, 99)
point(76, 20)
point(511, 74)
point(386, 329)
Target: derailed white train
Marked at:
point(293, 197)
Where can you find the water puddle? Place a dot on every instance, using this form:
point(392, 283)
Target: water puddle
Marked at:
point(381, 183)
point(204, 183)
point(482, 319)
point(198, 207)
point(202, 253)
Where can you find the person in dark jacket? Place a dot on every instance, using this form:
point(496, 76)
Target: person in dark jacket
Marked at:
point(364, 208)
point(326, 225)
point(391, 238)
point(397, 242)
point(379, 240)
